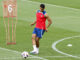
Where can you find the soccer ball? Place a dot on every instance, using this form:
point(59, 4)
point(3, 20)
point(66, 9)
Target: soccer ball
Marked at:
point(25, 54)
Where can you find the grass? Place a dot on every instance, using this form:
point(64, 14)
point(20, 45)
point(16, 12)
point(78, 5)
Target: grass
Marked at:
point(66, 3)
point(66, 23)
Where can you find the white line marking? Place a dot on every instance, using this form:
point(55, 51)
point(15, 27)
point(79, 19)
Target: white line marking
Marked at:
point(10, 58)
point(20, 53)
point(55, 43)
point(18, 57)
point(56, 56)
point(52, 5)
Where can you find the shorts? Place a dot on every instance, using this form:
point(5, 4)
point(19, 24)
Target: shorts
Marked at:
point(39, 32)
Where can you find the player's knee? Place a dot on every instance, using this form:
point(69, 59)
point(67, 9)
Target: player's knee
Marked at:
point(33, 37)
point(37, 39)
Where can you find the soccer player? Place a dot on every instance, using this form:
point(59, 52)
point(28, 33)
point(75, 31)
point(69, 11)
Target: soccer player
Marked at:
point(40, 28)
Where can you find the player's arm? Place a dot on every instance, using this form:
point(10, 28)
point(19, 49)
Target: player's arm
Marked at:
point(49, 21)
point(33, 23)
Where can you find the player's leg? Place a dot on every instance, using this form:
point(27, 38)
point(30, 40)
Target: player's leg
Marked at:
point(34, 41)
point(37, 44)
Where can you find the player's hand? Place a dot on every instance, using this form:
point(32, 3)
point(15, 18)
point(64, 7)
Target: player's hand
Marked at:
point(46, 30)
point(32, 24)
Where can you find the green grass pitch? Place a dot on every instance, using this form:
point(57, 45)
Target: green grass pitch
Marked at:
point(65, 15)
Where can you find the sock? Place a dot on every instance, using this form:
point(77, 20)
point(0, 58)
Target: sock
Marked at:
point(37, 50)
point(34, 47)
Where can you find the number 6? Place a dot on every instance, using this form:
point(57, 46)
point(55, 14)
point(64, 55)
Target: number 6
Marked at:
point(10, 8)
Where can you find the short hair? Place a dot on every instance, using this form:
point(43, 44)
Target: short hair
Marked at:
point(42, 6)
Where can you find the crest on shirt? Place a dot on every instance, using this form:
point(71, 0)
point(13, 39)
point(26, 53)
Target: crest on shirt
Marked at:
point(41, 15)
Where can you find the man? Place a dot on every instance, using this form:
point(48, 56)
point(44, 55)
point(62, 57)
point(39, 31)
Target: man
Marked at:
point(40, 28)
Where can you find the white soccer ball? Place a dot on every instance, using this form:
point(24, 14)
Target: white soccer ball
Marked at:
point(25, 54)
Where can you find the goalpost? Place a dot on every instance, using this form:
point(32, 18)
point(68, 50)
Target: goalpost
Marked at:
point(10, 20)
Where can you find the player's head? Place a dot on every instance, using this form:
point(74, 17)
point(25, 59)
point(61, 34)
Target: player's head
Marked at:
point(42, 7)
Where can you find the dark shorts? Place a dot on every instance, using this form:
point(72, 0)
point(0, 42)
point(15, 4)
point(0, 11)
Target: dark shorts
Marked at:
point(38, 32)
